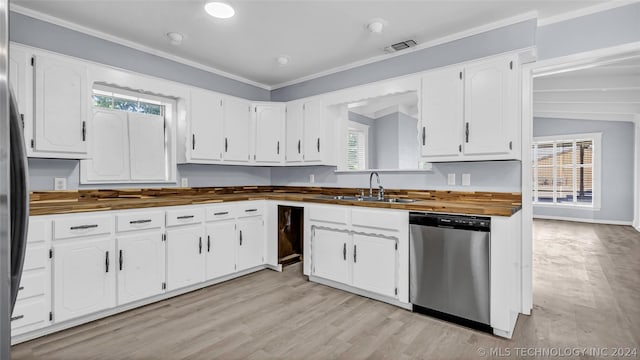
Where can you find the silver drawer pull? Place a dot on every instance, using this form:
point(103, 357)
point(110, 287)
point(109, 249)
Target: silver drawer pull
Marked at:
point(185, 217)
point(221, 213)
point(21, 288)
point(83, 227)
point(140, 221)
point(17, 317)
point(251, 210)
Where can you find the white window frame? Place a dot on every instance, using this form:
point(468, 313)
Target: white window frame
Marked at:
point(356, 126)
point(596, 170)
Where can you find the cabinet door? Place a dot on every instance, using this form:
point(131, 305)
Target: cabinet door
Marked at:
point(293, 133)
point(330, 255)
point(221, 249)
point(375, 264)
point(206, 115)
point(140, 263)
point(490, 106)
point(83, 277)
point(61, 100)
point(22, 88)
point(313, 131)
point(236, 130)
point(110, 155)
point(442, 113)
point(269, 133)
point(147, 147)
point(250, 243)
point(185, 257)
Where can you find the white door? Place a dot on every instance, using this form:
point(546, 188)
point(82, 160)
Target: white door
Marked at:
point(61, 106)
point(250, 243)
point(442, 113)
point(83, 277)
point(330, 255)
point(313, 131)
point(490, 106)
point(293, 133)
point(185, 257)
point(221, 249)
point(269, 133)
point(110, 147)
point(140, 263)
point(237, 118)
point(22, 89)
point(375, 264)
point(206, 126)
point(147, 147)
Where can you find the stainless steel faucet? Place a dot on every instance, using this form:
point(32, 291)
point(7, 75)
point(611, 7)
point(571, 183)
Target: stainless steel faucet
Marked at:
point(380, 188)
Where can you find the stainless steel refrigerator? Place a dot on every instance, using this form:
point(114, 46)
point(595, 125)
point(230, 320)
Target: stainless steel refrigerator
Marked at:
point(14, 193)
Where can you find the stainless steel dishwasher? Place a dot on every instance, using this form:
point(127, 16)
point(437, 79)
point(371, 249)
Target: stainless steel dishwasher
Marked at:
point(449, 267)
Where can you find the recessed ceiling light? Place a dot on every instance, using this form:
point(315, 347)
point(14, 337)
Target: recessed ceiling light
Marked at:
point(175, 38)
point(219, 10)
point(283, 60)
point(376, 25)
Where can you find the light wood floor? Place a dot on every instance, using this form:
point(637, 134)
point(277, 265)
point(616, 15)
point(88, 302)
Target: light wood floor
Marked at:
point(586, 294)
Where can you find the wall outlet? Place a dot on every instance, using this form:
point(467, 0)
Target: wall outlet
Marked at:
point(184, 182)
point(466, 179)
point(60, 184)
point(312, 179)
point(451, 179)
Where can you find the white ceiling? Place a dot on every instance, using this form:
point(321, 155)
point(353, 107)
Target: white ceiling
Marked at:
point(609, 90)
point(317, 35)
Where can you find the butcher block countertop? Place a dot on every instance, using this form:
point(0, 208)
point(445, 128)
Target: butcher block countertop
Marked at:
point(66, 202)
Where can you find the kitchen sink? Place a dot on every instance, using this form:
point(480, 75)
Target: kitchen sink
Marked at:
point(367, 199)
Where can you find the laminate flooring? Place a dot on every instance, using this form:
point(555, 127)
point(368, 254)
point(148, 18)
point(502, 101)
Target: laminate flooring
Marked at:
point(586, 295)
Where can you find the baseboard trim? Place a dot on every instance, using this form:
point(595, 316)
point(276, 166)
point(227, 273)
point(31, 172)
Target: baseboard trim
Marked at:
point(361, 292)
point(591, 221)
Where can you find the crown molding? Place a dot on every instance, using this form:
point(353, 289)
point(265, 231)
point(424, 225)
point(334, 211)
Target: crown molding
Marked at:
point(584, 11)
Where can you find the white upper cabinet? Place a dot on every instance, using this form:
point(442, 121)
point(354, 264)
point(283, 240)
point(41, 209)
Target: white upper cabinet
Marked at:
point(442, 113)
point(491, 106)
point(61, 107)
point(111, 161)
point(313, 128)
point(269, 135)
point(237, 119)
point(147, 147)
point(294, 133)
point(206, 138)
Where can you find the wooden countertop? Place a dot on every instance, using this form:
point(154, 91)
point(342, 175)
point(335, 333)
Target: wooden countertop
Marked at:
point(65, 202)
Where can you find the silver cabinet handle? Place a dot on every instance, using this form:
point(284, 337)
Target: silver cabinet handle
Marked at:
point(120, 259)
point(299, 146)
point(278, 148)
point(344, 251)
point(83, 227)
point(106, 261)
point(144, 221)
point(226, 145)
point(84, 131)
point(17, 317)
point(318, 145)
point(424, 136)
point(185, 217)
point(208, 243)
point(200, 245)
point(193, 141)
point(240, 237)
point(221, 213)
point(466, 132)
point(354, 253)
point(251, 210)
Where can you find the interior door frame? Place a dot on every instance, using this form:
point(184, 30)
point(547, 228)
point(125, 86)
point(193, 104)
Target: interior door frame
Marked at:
point(529, 72)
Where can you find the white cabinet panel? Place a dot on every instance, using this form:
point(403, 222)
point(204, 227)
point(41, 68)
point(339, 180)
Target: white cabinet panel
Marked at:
point(250, 243)
point(147, 147)
point(139, 220)
point(294, 132)
point(442, 113)
point(184, 216)
point(330, 254)
point(61, 104)
point(141, 260)
point(185, 257)
point(269, 133)
point(84, 277)
point(22, 87)
point(221, 249)
point(110, 143)
point(375, 264)
point(313, 131)
point(33, 283)
point(237, 118)
point(206, 137)
point(490, 106)
point(82, 225)
point(29, 314)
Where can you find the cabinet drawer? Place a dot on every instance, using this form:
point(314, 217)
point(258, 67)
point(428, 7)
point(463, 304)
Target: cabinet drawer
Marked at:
point(39, 230)
point(29, 312)
point(220, 213)
point(331, 214)
point(184, 216)
point(31, 284)
point(139, 221)
point(36, 257)
point(250, 209)
point(82, 226)
point(380, 219)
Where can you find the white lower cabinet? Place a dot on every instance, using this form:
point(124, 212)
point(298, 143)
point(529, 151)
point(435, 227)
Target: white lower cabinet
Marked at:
point(250, 242)
point(329, 254)
point(141, 259)
point(185, 256)
point(220, 249)
point(375, 264)
point(84, 277)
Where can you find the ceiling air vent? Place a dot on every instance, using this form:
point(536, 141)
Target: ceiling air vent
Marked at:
point(400, 46)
